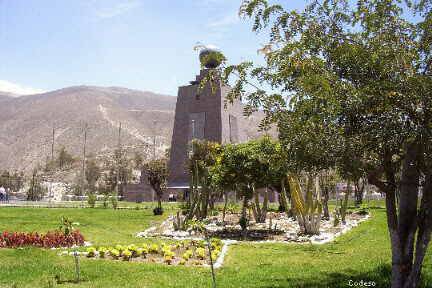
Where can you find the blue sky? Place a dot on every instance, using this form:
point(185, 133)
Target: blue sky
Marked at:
point(139, 44)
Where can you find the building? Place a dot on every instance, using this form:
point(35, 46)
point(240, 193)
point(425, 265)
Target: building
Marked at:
point(201, 114)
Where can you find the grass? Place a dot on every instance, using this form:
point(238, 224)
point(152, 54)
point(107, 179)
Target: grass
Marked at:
point(362, 254)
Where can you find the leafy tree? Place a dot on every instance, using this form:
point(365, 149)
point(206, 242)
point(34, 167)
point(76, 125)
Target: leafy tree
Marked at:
point(64, 158)
point(138, 160)
point(205, 155)
point(119, 171)
point(93, 173)
point(156, 172)
point(351, 81)
point(36, 191)
point(248, 167)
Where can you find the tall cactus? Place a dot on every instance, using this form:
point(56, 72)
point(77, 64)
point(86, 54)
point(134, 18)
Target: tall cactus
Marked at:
point(308, 211)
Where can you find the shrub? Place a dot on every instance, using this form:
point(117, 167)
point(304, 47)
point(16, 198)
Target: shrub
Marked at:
point(115, 253)
point(200, 253)
point(133, 249)
point(102, 251)
point(120, 248)
point(144, 250)
point(215, 254)
point(126, 254)
point(52, 239)
point(154, 248)
point(158, 211)
point(66, 225)
point(114, 201)
point(105, 201)
point(168, 257)
point(186, 255)
point(244, 222)
point(91, 200)
point(91, 252)
point(216, 244)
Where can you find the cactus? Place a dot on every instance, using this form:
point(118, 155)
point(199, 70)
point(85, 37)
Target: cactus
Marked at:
point(344, 205)
point(308, 211)
point(179, 222)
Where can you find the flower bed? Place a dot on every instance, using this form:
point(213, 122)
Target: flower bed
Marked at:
point(277, 228)
point(52, 239)
point(185, 252)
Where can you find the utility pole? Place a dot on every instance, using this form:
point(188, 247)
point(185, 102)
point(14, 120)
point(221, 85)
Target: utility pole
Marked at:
point(50, 195)
point(84, 159)
point(118, 160)
point(154, 139)
point(52, 143)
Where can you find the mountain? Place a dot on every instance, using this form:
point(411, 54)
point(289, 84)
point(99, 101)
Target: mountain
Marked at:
point(4, 96)
point(26, 123)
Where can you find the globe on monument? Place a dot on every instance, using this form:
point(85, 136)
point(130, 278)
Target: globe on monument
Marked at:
point(211, 57)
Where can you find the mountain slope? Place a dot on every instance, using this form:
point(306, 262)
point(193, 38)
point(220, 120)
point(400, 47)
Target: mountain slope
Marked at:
point(26, 122)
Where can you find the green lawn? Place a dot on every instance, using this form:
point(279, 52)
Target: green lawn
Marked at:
point(362, 254)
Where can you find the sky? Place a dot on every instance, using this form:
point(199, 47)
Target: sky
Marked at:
point(138, 44)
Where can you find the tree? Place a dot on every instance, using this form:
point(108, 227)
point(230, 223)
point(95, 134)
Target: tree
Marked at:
point(64, 158)
point(36, 191)
point(156, 172)
point(353, 81)
point(92, 174)
point(119, 171)
point(205, 178)
point(138, 160)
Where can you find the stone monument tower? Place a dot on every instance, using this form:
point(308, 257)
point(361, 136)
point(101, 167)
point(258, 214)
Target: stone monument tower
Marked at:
point(200, 114)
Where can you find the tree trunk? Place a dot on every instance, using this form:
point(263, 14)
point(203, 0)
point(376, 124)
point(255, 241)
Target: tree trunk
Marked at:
point(358, 192)
point(256, 208)
point(406, 267)
point(408, 202)
point(283, 199)
point(325, 199)
point(243, 215)
point(265, 206)
point(225, 206)
point(204, 200)
point(424, 233)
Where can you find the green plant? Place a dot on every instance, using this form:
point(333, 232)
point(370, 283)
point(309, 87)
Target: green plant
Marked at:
point(154, 249)
point(114, 253)
point(66, 225)
point(336, 218)
point(158, 211)
point(344, 205)
point(102, 252)
point(91, 252)
point(308, 211)
point(126, 255)
point(195, 225)
point(120, 248)
point(215, 254)
point(200, 253)
point(216, 243)
point(91, 199)
point(187, 255)
point(178, 222)
point(244, 222)
point(168, 257)
point(133, 249)
point(105, 201)
point(114, 201)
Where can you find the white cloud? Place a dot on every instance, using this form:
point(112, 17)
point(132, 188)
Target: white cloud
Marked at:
point(9, 87)
point(119, 8)
point(212, 2)
point(227, 20)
